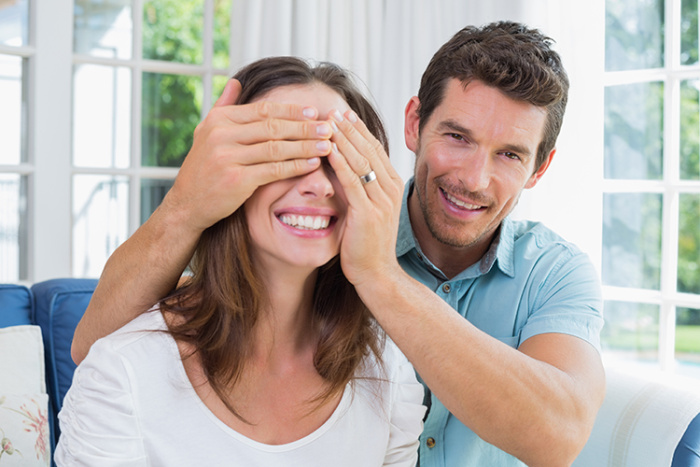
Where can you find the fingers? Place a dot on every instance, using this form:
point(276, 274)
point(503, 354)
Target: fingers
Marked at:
point(272, 171)
point(264, 110)
point(230, 93)
point(353, 146)
point(277, 129)
point(363, 154)
point(280, 151)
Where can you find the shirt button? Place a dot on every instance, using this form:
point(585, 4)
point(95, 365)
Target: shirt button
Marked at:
point(430, 442)
point(446, 288)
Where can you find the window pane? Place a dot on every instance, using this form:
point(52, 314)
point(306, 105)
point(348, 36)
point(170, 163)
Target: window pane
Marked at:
point(632, 240)
point(13, 228)
point(103, 28)
point(222, 32)
point(689, 32)
point(689, 244)
point(690, 129)
point(634, 131)
point(100, 221)
point(634, 34)
point(14, 21)
point(688, 341)
point(218, 85)
point(152, 193)
point(631, 330)
point(172, 30)
point(170, 113)
point(12, 114)
point(101, 116)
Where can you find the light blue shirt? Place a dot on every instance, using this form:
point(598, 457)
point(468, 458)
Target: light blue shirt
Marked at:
point(529, 282)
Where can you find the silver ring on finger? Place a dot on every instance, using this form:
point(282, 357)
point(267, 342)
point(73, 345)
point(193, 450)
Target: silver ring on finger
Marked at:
point(365, 179)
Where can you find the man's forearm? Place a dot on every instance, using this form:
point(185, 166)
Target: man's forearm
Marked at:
point(538, 407)
point(138, 274)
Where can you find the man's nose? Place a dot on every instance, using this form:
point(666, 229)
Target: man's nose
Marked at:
point(476, 171)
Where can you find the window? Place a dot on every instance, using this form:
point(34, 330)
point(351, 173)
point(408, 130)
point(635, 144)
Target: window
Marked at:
point(99, 102)
point(651, 187)
point(15, 54)
point(142, 74)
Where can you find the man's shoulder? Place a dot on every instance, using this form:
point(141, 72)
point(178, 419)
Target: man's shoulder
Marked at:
point(535, 235)
point(541, 251)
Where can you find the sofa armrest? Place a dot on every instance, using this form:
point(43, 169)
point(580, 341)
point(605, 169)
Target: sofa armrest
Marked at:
point(642, 422)
point(58, 306)
point(16, 305)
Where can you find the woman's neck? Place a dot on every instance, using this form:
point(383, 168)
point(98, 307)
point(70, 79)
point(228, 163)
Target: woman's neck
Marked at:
point(285, 324)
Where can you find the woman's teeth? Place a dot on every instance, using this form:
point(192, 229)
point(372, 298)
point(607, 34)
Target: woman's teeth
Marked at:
point(306, 222)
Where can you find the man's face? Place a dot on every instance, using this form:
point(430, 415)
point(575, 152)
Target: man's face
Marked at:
point(474, 156)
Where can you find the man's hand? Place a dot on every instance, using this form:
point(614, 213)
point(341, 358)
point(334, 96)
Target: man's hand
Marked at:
point(368, 249)
point(238, 148)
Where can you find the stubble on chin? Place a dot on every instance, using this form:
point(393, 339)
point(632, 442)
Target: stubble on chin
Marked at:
point(438, 229)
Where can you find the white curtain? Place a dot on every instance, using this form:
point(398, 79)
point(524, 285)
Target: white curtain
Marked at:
point(388, 43)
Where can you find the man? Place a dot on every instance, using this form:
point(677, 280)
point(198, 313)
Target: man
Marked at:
point(519, 380)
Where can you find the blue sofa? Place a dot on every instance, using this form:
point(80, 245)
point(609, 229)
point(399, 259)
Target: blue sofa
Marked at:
point(55, 306)
point(632, 409)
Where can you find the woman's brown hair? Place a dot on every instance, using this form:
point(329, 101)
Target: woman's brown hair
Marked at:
point(221, 302)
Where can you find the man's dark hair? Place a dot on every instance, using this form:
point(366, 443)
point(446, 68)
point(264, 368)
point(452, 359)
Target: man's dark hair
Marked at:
point(510, 57)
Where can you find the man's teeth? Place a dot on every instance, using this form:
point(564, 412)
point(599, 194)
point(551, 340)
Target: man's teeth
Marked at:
point(459, 203)
point(306, 222)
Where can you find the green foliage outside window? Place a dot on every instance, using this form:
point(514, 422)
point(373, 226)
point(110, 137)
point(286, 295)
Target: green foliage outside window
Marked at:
point(172, 104)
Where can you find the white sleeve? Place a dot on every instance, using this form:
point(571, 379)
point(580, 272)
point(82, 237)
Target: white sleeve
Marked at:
point(99, 424)
point(407, 412)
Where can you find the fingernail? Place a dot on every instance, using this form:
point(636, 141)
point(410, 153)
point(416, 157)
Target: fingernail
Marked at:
point(309, 112)
point(323, 129)
point(334, 126)
point(313, 160)
point(335, 148)
point(352, 116)
point(338, 116)
point(323, 146)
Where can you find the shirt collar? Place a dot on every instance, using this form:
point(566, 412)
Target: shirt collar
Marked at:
point(500, 251)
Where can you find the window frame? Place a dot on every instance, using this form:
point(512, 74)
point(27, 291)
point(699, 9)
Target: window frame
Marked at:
point(48, 164)
point(670, 187)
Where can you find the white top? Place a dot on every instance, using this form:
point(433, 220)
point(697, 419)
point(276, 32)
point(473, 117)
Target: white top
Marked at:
point(131, 403)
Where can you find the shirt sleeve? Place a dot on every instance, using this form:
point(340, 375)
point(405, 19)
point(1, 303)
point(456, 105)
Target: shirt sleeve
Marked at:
point(99, 424)
point(407, 410)
point(568, 300)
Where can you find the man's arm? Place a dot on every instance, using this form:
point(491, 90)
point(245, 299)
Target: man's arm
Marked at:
point(235, 150)
point(538, 402)
point(139, 273)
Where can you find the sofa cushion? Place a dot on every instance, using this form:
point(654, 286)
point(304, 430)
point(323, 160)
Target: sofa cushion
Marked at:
point(24, 418)
point(22, 365)
point(24, 430)
point(15, 305)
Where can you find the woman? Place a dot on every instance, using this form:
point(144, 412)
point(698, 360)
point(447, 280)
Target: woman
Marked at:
point(267, 356)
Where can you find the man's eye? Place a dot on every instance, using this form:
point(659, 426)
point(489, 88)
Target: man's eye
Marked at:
point(511, 155)
point(456, 136)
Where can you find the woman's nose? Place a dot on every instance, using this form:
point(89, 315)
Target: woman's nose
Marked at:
point(316, 183)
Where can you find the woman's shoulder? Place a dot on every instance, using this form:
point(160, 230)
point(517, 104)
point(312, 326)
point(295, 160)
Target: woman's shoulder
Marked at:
point(390, 367)
point(143, 330)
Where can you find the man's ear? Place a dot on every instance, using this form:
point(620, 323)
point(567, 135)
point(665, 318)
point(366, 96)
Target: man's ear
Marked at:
point(411, 124)
point(535, 177)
